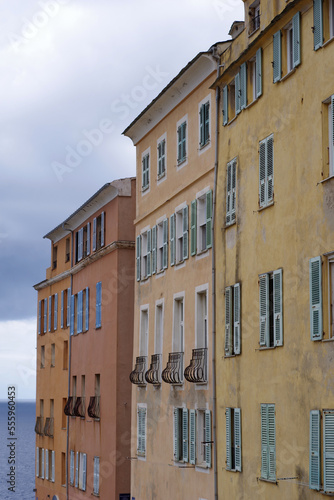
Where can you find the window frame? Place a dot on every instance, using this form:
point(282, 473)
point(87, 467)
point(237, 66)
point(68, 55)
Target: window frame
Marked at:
point(271, 311)
point(141, 430)
point(233, 320)
point(204, 123)
point(233, 439)
point(182, 142)
point(266, 172)
point(145, 170)
point(162, 157)
point(231, 191)
point(268, 442)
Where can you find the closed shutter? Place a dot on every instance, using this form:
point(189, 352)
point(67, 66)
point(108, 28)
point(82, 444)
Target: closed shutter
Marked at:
point(185, 243)
point(37, 462)
point(88, 238)
point(237, 93)
point(149, 253)
point(183, 132)
point(77, 470)
point(154, 249)
point(45, 315)
point(278, 307)
point(68, 315)
point(270, 169)
point(206, 122)
point(55, 316)
point(316, 298)
point(272, 442)
point(318, 24)
point(84, 471)
point(314, 472)
point(331, 137)
point(258, 72)
point(79, 312)
point(172, 240)
point(262, 174)
point(96, 475)
point(296, 39)
point(102, 228)
point(277, 62)
point(39, 317)
point(98, 304)
point(209, 219)
point(193, 228)
point(228, 413)
point(264, 310)
point(328, 418)
point(53, 466)
point(225, 105)
point(237, 438)
point(236, 318)
point(138, 255)
point(179, 144)
point(139, 431)
point(176, 434)
point(80, 244)
point(94, 234)
point(87, 310)
point(201, 126)
point(185, 434)
point(62, 309)
point(228, 321)
point(228, 192)
point(165, 244)
point(72, 314)
point(71, 467)
point(50, 313)
point(192, 437)
point(42, 475)
point(243, 85)
point(264, 442)
point(208, 438)
point(47, 464)
point(233, 189)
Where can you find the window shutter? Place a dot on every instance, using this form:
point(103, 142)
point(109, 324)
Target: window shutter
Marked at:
point(87, 310)
point(228, 439)
point(314, 473)
point(206, 122)
point(72, 315)
point(236, 318)
point(80, 244)
point(243, 85)
point(179, 144)
point(277, 69)
point(176, 434)
point(259, 72)
point(96, 475)
point(209, 219)
point(192, 434)
point(62, 309)
point(47, 464)
point(79, 312)
point(88, 238)
point(77, 471)
point(154, 249)
point(71, 467)
point(165, 244)
point(237, 93)
point(228, 192)
point(316, 298)
point(68, 316)
point(50, 312)
point(233, 188)
point(331, 139)
point(225, 105)
point(270, 168)
point(39, 317)
point(84, 470)
point(45, 314)
point(264, 309)
point(193, 228)
point(183, 132)
point(102, 228)
point(296, 39)
point(139, 431)
point(328, 451)
point(278, 307)
point(98, 304)
point(208, 438)
point(138, 259)
point(264, 442)
point(228, 320)
point(149, 253)
point(237, 438)
point(272, 442)
point(94, 234)
point(318, 24)
point(172, 240)
point(263, 174)
point(53, 466)
point(201, 126)
point(185, 434)
point(37, 462)
point(185, 245)
point(55, 316)
point(42, 475)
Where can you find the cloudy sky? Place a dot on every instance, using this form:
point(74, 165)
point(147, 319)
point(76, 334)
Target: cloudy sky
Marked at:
point(66, 66)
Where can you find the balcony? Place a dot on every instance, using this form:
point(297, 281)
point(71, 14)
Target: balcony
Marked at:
point(153, 375)
point(94, 407)
point(173, 373)
point(196, 372)
point(69, 407)
point(79, 407)
point(39, 426)
point(48, 427)
point(137, 376)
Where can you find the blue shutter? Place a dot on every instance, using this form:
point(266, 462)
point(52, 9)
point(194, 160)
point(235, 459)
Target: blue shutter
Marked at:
point(165, 244)
point(264, 310)
point(37, 462)
point(98, 321)
point(50, 313)
point(72, 314)
point(193, 228)
point(55, 316)
point(296, 39)
point(77, 470)
point(62, 309)
point(185, 243)
point(318, 24)
point(39, 317)
point(225, 105)
point(258, 77)
point(277, 69)
point(68, 316)
point(96, 475)
point(138, 257)
point(87, 310)
point(316, 298)
point(102, 229)
point(243, 86)
point(237, 93)
point(154, 249)
point(237, 438)
point(192, 437)
point(88, 238)
point(314, 472)
point(185, 434)
point(208, 438)
point(42, 475)
point(94, 234)
point(278, 307)
point(228, 439)
point(172, 240)
point(47, 464)
point(79, 311)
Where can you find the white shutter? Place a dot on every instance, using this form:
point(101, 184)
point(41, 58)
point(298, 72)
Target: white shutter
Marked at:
point(102, 228)
point(154, 249)
point(270, 168)
point(46, 464)
point(278, 307)
point(192, 437)
point(236, 318)
point(138, 257)
point(228, 321)
point(50, 313)
point(42, 475)
point(243, 86)
point(165, 244)
point(172, 240)
point(296, 39)
point(277, 63)
point(185, 244)
point(77, 470)
point(53, 466)
point(72, 314)
point(272, 442)
point(262, 174)
point(228, 439)
point(258, 72)
point(79, 311)
point(149, 253)
point(328, 419)
point(45, 314)
point(37, 462)
point(39, 317)
point(316, 298)
point(264, 310)
point(68, 315)
point(208, 438)
point(84, 471)
point(62, 309)
point(237, 93)
point(176, 434)
point(88, 238)
point(237, 438)
point(314, 472)
point(87, 310)
point(185, 434)
point(264, 442)
point(318, 24)
point(96, 475)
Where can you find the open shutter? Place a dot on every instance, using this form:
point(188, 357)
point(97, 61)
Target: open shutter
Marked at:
point(208, 438)
point(45, 315)
point(270, 168)
point(233, 188)
point(228, 439)
point(39, 317)
point(185, 244)
point(149, 253)
point(316, 298)
point(201, 125)
point(47, 464)
point(176, 434)
point(42, 475)
point(165, 244)
point(55, 315)
point(138, 254)
point(243, 85)
point(79, 312)
point(264, 309)
point(50, 313)
point(62, 309)
point(143, 422)
point(172, 240)
point(94, 234)
point(262, 174)
point(272, 442)
point(237, 438)
point(314, 472)
point(237, 93)
point(264, 442)
point(98, 303)
point(258, 72)
point(209, 219)
point(154, 249)
point(71, 467)
point(206, 122)
point(331, 138)
point(84, 471)
point(102, 228)
point(72, 314)
point(96, 475)
point(277, 62)
point(193, 228)
point(317, 24)
point(68, 315)
point(53, 466)
point(77, 470)
point(184, 148)
point(236, 318)
point(179, 144)
point(192, 436)
point(225, 106)
point(37, 462)
point(139, 431)
point(228, 321)
point(328, 451)
point(185, 434)
point(88, 238)
point(87, 310)
point(278, 307)
point(228, 192)
point(296, 39)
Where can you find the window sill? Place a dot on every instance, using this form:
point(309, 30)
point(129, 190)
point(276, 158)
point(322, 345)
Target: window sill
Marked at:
point(271, 481)
point(232, 120)
point(285, 77)
point(252, 33)
point(161, 177)
point(230, 224)
point(265, 348)
point(227, 356)
point(328, 340)
point(252, 103)
point(181, 162)
point(203, 146)
point(325, 45)
point(326, 180)
point(272, 203)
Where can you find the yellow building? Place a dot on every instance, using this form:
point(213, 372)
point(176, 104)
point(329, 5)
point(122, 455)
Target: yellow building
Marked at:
point(274, 238)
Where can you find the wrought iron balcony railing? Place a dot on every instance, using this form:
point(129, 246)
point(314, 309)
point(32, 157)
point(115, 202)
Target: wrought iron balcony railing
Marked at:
point(94, 407)
point(69, 407)
point(137, 376)
point(48, 427)
point(39, 426)
point(79, 407)
point(196, 372)
point(153, 375)
point(173, 373)
point(254, 23)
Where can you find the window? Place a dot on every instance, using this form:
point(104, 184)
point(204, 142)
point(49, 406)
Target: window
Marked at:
point(323, 22)
point(201, 224)
point(53, 312)
point(82, 471)
point(322, 292)
point(43, 356)
point(82, 243)
point(232, 320)
point(160, 246)
point(178, 330)
point(53, 354)
point(72, 456)
point(98, 318)
point(141, 430)
point(201, 318)
point(67, 249)
point(179, 236)
point(182, 142)
point(204, 124)
point(180, 434)
point(271, 309)
point(65, 355)
point(96, 489)
point(159, 327)
point(80, 312)
point(233, 439)
point(201, 448)
point(145, 171)
point(328, 137)
point(143, 334)
point(254, 17)
point(289, 40)
point(98, 232)
point(50, 465)
point(161, 157)
point(231, 183)
point(63, 469)
point(268, 442)
point(266, 172)
point(327, 433)
point(54, 257)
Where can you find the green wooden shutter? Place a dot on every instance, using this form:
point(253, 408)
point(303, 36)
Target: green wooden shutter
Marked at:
point(172, 240)
point(318, 24)
point(277, 56)
point(228, 321)
point(237, 94)
point(236, 318)
point(185, 434)
point(192, 435)
point(225, 105)
point(314, 472)
point(149, 253)
point(264, 309)
point(193, 228)
point(209, 219)
point(228, 439)
point(87, 310)
point(154, 249)
point(138, 258)
point(296, 39)
point(176, 435)
point(165, 244)
point(237, 438)
point(278, 307)
point(185, 243)
point(270, 168)
point(328, 435)
point(201, 126)
point(262, 174)
point(272, 442)
point(208, 438)
point(258, 77)
point(264, 442)
point(62, 309)
point(316, 298)
point(243, 85)
point(228, 192)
